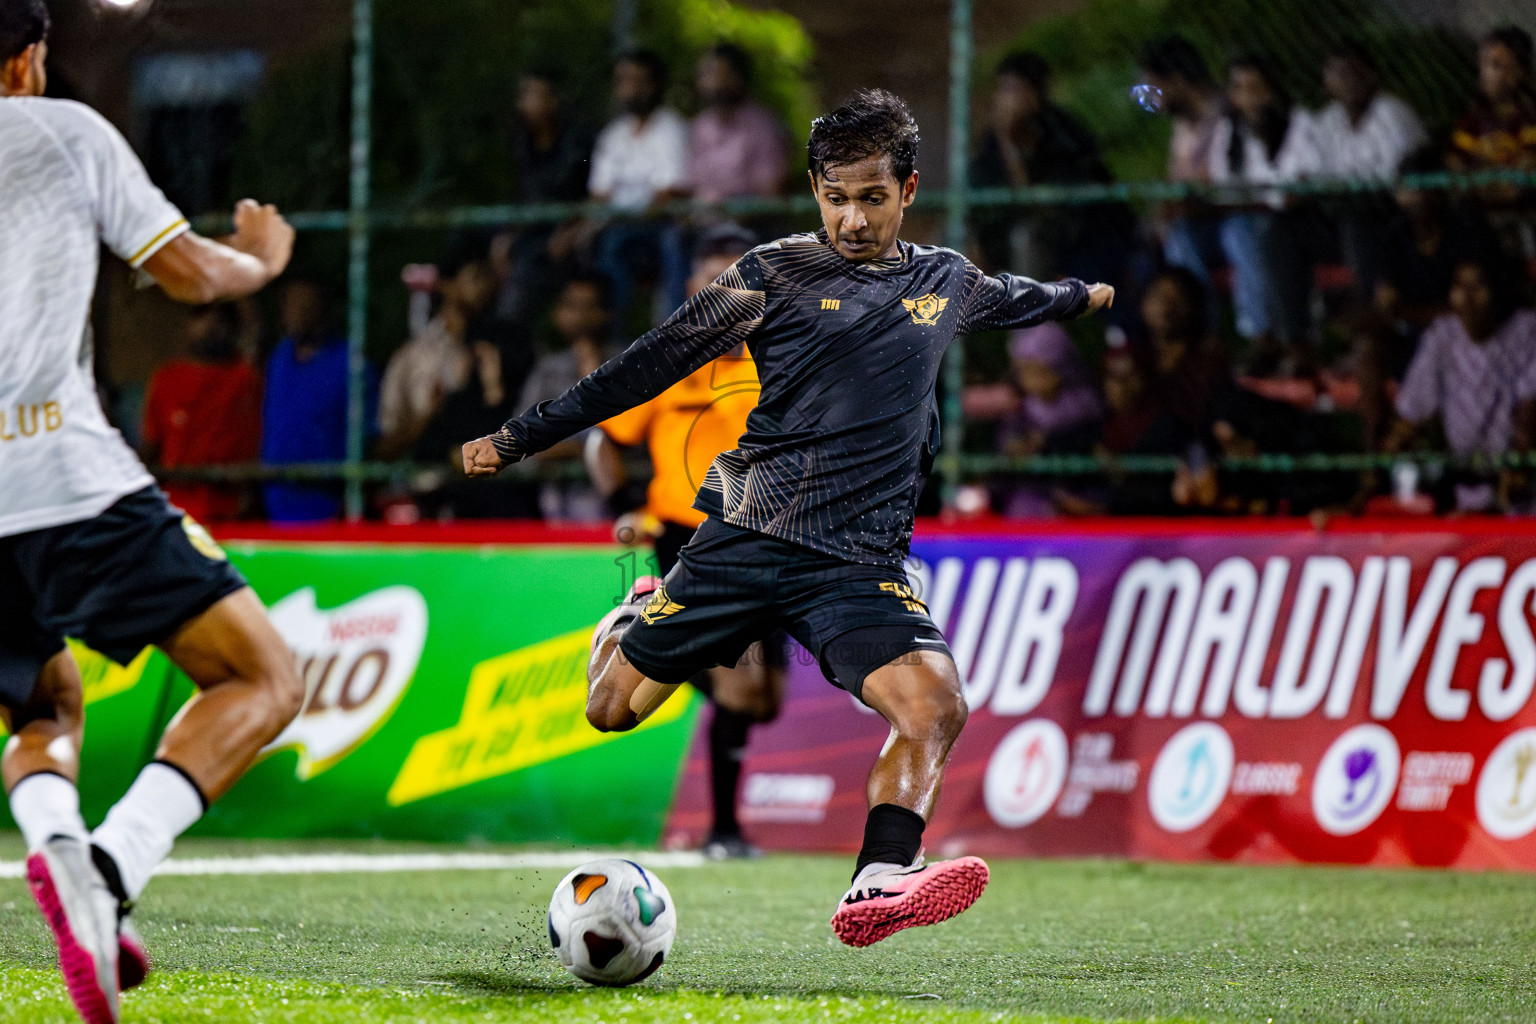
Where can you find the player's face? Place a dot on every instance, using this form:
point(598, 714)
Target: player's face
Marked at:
point(861, 206)
point(1498, 72)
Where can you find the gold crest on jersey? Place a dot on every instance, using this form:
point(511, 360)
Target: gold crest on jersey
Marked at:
point(925, 309)
point(659, 607)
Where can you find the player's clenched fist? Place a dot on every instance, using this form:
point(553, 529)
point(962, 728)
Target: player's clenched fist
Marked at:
point(481, 458)
point(1099, 296)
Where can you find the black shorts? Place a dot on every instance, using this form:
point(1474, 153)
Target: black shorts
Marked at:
point(674, 537)
point(733, 586)
point(128, 578)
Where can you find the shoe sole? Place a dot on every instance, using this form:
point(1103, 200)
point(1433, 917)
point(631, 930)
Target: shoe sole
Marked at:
point(133, 964)
point(77, 965)
point(937, 898)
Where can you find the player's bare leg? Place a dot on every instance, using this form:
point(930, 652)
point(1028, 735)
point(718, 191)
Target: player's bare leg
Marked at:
point(39, 767)
point(248, 692)
point(919, 695)
point(619, 696)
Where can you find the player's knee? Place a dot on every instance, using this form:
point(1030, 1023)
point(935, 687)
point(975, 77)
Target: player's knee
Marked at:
point(282, 690)
point(606, 712)
point(935, 715)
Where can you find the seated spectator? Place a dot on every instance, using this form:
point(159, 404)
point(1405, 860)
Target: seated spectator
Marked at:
point(1498, 132)
point(1475, 372)
point(1192, 100)
point(432, 365)
point(736, 147)
point(552, 151)
point(304, 411)
point(1428, 236)
point(1263, 140)
point(1187, 372)
point(639, 165)
point(581, 318)
point(204, 409)
point(1032, 141)
point(1049, 406)
point(1363, 135)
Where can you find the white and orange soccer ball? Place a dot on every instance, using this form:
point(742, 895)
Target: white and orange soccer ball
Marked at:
point(612, 922)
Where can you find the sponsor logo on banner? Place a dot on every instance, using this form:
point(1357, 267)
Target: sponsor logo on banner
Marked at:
point(791, 798)
point(1026, 773)
point(1191, 776)
point(356, 662)
point(1429, 776)
point(522, 708)
point(1506, 790)
point(1355, 780)
point(1093, 771)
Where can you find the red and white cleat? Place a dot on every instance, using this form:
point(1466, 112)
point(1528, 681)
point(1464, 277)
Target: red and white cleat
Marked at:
point(83, 915)
point(628, 608)
point(884, 901)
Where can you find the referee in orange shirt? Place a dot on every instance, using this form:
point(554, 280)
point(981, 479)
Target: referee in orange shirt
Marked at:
point(684, 428)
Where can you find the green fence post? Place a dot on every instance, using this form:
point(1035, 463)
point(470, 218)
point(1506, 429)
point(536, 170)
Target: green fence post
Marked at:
point(960, 56)
point(357, 254)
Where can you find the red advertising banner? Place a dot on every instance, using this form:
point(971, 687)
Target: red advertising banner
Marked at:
point(1266, 696)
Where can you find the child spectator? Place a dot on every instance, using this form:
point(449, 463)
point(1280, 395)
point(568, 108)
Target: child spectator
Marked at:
point(736, 146)
point(639, 165)
point(304, 413)
point(1475, 372)
point(204, 409)
point(1049, 406)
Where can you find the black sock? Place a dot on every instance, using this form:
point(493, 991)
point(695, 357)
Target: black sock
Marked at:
point(892, 835)
point(727, 745)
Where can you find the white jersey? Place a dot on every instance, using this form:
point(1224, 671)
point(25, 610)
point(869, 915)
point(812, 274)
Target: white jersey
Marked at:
point(68, 183)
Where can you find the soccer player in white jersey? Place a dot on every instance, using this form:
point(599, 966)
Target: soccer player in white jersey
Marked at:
point(89, 546)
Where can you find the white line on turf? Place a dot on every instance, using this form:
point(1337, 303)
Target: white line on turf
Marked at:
point(367, 863)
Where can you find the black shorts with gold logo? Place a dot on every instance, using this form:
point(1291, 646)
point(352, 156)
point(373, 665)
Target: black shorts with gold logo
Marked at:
point(118, 582)
point(733, 586)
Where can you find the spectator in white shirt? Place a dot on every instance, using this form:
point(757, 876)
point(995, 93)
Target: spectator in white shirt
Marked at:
point(1263, 139)
point(1363, 135)
point(639, 165)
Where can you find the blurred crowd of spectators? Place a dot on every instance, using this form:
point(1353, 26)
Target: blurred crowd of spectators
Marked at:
point(1255, 318)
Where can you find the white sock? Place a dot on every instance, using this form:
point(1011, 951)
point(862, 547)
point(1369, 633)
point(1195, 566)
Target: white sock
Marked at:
point(46, 805)
point(140, 830)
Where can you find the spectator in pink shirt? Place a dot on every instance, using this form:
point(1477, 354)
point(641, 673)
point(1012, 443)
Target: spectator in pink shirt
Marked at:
point(736, 146)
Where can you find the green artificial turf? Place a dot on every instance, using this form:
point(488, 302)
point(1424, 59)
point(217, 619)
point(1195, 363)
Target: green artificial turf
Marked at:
point(1050, 941)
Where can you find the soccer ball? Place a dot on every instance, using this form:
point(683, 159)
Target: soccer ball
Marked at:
point(612, 922)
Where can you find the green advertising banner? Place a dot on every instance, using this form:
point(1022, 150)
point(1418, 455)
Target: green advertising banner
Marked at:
point(446, 688)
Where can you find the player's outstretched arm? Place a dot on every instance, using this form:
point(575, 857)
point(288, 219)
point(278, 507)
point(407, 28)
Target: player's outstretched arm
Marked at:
point(1011, 300)
point(196, 270)
point(720, 317)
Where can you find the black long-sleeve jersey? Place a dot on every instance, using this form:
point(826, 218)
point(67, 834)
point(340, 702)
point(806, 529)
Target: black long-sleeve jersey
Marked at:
point(843, 436)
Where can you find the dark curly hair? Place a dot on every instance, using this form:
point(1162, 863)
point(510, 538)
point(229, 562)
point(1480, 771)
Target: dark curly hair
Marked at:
point(22, 23)
point(871, 122)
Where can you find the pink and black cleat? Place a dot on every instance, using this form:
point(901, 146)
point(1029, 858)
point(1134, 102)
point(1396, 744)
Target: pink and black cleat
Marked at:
point(883, 902)
point(628, 608)
point(83, 915)
point(133, 962)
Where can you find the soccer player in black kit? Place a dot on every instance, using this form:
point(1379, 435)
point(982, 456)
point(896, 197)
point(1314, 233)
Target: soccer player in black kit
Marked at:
point(810, 518)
